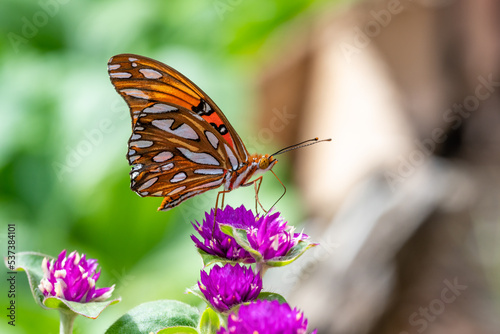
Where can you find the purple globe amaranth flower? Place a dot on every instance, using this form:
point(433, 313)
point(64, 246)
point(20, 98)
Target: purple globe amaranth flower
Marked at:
point(266, 317)
point(220, 244)
point(72, 278)
point(228, 286)
point(269, 235)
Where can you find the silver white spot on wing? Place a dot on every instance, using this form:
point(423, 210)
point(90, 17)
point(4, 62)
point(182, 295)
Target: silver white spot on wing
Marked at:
point(159, 108)
point(135, 93)
point(132, 59)
point(232, 158)
point(209, 171)
point(121, 75)
point(135, 136)
point(136, 167)
point(134, 65)
point(139, 128)
point(148, 183)
point(141, 143)
point(209, 184)
point(176, 190)
point(183, 131)
point(181, 176)
point(167, 167)
point(163, 124)
point(198, 117)
point(131, 152)
point(150, 74)
point(212, 139)
point(162, 156)
point(134, 175)
point(113, 66)
point(133, 158)
point(199, 158)
point(158, 193)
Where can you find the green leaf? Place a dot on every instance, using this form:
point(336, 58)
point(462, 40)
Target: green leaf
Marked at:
point(240, 236)
point(271, 296)
point(157, 316)
point(90, 310)
point(31, 263)
point(210, 322)
point(292, 255)
point(195, 290)
point(209, 259)
point(178, 330)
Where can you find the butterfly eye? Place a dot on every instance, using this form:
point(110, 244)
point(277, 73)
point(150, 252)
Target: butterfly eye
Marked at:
point(263, 163)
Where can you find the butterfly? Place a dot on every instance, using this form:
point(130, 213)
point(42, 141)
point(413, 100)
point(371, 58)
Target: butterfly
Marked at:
point(181, 145)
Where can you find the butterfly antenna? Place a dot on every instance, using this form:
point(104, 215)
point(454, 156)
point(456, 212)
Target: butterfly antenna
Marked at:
point(305, 143)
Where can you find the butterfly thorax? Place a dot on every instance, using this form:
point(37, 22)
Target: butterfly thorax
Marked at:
point(257, 163)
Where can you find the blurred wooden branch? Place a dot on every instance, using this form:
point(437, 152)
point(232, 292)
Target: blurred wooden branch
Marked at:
point(409, 91)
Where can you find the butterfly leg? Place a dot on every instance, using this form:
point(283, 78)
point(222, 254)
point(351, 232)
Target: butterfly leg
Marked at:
point(257, 189)
point(222, 202)
point(256, 183)
point(223, 192)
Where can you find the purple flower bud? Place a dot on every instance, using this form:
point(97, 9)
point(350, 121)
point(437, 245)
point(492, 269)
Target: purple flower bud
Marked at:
point(72, 278)
point(269, 235)
point(228, 286)
point(266, 317)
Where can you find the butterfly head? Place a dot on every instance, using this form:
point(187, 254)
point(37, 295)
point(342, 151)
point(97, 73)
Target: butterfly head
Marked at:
point(266, 162)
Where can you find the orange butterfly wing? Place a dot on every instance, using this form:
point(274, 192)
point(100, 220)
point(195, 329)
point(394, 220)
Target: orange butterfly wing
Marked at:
point(181, 144)
point(142, 81)
point(167, 160)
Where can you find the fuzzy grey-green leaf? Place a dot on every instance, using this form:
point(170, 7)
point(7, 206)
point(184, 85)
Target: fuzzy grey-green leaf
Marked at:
point(272, 296)
point(178, 330)
point(292, 255)
point(31, 263)
point(90, 310)
point(209, 259)
point(195, 290)
point(156, 316)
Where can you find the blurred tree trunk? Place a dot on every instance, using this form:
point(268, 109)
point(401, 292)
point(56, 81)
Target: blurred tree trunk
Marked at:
point(409, 190)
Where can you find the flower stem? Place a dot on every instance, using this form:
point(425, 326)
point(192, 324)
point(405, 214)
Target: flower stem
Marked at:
point(67, 320)
point(261, 268)
point(223, 319)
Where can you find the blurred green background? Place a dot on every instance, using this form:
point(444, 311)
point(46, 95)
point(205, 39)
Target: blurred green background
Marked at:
point(64, 177)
